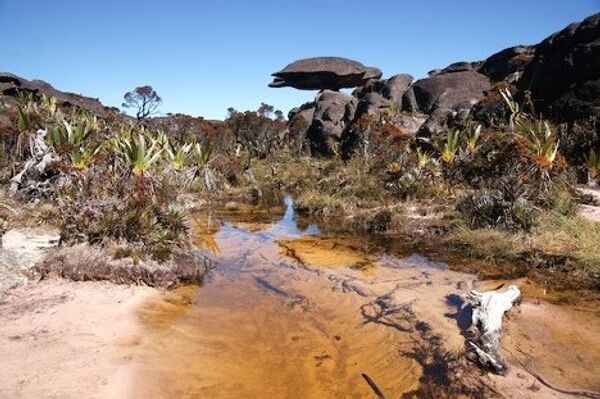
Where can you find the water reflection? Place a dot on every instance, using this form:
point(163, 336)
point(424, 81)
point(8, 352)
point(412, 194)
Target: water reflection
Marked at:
point(289, 312)
point(284, 228)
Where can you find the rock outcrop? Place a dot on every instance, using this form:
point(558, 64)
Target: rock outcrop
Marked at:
point(507, 64)
point(564, 76)
point(444, 96)
point(320, 73)
point(11, 85)
point(333, 112)
point(560, 76)
point(377, 95)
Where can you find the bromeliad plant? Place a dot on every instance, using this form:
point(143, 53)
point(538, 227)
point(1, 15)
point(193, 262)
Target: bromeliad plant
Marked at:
point(141, 153)
point(177, 154)
point(82, 157)
point(423, 158)
point(202, 157)
point(473, 133)
point(67, 135)
point(516, 114)
point(450, 147)
point(542, 143)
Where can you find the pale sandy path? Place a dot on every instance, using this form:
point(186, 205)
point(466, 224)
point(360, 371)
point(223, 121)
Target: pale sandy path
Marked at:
point(62, 339)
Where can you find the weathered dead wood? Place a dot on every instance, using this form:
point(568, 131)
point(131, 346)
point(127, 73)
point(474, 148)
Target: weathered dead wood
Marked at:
point(488, 310)
point(42, 156)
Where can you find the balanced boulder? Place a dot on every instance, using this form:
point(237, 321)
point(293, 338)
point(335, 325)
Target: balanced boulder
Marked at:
point(322, 73)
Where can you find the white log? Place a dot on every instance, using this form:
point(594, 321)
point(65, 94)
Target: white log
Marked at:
point(488, 310)
point(42, 156)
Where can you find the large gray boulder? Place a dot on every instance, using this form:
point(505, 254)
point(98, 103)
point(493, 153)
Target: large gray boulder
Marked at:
point(507, 64)
point(333, 113)
point(322, 73)
point(447, 90)
point(378, 95)
point(445, 97)
point(564, 76)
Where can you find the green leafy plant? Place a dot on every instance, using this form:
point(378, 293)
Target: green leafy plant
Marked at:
point(82, 157)
point(23, 120)
point(515, 109)
point(177, 154)
point(423, 158)
point(450, 147)
point(202, 156)
point(50, 104)
point(473, 133)
point(542, 142)
point(141, 152)
point(68, 134)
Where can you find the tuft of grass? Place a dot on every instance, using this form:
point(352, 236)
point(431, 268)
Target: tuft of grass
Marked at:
point(555, 235)
point(577, 236)
point(486, 243)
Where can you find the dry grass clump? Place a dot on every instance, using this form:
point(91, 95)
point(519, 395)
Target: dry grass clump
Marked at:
point(556, 235)
point(575, 236)
point(487, 243)
point(91, 263)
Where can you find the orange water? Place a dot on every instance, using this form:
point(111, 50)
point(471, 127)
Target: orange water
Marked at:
point(289, 313)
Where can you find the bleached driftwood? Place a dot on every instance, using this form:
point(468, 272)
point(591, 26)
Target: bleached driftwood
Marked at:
point(35, 167)
point(488, 310)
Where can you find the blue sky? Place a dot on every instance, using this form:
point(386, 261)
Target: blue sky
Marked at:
point(204, 56)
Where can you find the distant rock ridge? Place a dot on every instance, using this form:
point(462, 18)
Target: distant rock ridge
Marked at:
point(11, 85)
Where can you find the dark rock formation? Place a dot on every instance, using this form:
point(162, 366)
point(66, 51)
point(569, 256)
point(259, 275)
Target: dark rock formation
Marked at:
point(461, 66)
point(447, 90)
point(322, 73)
point(564, 76)
point(377, 95)
point(334, 111)
point(445, 95)
point(11, 85)
point(561, 76)
point(507, 64)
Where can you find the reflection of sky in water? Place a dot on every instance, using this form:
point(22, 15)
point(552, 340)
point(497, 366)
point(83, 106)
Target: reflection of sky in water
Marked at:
point(286, 227)
point(232, 242)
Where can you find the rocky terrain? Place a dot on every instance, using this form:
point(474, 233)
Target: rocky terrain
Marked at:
point(428, 106)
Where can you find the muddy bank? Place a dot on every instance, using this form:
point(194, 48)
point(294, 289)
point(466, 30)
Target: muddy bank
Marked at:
point(62, 339)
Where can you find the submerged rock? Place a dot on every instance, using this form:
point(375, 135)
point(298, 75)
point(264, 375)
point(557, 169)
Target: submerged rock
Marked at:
point(322, 73)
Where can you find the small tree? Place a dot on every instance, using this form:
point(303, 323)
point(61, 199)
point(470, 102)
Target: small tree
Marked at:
point(265, 110)
point(279, 115)
point(144, 99)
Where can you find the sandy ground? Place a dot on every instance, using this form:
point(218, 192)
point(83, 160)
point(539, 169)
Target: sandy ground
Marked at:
point(20, 250)
point(62, 339)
